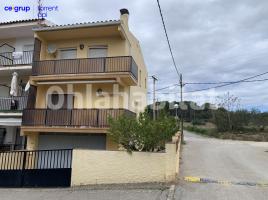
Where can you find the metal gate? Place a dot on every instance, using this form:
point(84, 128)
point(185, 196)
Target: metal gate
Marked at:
point(42, 168)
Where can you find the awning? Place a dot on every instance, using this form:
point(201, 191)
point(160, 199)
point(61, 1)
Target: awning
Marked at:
point(10, 121)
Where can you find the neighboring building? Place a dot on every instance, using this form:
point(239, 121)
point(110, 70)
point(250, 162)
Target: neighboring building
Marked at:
point(93, 71)
point(16, 52)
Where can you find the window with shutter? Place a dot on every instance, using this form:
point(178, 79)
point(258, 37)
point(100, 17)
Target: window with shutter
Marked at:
point(97, 52)
point(68, 54)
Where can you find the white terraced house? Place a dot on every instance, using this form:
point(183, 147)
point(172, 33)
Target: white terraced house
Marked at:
point(16, 52)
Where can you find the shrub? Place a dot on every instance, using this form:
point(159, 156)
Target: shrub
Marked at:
point(203, 131)
point(198, 122)
point(221, 120)
point(142, 134)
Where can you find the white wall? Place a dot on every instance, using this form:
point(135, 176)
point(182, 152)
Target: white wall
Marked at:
point(20, 42)
point(4, 91)
point(116, 167)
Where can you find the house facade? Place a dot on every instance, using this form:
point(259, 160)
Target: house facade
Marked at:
point(82, 74)
point(16, 52)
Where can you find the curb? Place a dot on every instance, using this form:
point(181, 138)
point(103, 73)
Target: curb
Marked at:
point(171, 192)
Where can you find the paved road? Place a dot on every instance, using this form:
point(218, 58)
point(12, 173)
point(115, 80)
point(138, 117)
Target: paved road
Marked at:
point(83, 194)
point(225, 160)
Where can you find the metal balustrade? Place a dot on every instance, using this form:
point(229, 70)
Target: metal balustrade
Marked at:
point(13, 103)
point(7, 58)
point(86, 66)
point(72, 117)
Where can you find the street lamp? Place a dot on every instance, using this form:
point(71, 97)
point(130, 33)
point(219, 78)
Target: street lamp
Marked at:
point(176, 106)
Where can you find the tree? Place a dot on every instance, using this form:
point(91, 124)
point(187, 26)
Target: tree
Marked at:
point(229, 103)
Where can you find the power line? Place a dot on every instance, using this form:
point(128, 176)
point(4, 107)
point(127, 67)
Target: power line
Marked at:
point(169, 45)
point(167, 87)
point(247, 81)
point(217, 83)
point(231, 83)
point(209, 83)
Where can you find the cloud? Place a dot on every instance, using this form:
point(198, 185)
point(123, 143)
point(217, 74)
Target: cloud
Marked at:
point(212, 40)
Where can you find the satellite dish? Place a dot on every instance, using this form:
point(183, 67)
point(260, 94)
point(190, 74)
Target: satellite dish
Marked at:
point(51, 48)
point(27, 87)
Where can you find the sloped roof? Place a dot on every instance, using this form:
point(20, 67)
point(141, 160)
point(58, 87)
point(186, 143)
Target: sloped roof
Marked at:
point(78, 25)
point(20, 21)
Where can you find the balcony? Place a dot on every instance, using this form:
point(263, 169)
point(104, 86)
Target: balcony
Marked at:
point(7, 59)
point(11, 147)
point(107, 67)
point(96, 118)
point(13, 104)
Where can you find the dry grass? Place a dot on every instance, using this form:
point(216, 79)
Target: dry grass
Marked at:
point(209, 129)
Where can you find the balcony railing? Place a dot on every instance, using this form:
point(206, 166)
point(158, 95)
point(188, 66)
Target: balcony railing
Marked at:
point(13, 103)
point(86, 66)
point(72, 117)
point(11, 147)
point(7, 58)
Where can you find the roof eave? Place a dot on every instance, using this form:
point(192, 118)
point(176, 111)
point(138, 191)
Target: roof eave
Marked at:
point(66, 27)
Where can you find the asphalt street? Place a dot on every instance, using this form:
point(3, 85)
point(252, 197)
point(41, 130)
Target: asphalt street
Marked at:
point(223, 160)
point(83, 194)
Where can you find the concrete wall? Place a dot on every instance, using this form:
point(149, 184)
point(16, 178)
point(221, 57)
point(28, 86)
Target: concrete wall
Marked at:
point(115, 46)
point(137, 101)
point(85, 96)
point(108, 167)
point(17, 43)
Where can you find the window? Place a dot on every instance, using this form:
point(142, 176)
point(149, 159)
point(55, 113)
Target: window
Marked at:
point(20, 141)
point(54, 100)
point(145, 83)
point(28, 47)
point(97, 52)
point(140, 78)
point(68, 54)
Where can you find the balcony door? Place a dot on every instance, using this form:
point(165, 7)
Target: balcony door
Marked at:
point(54, 102)
point(98, 52)
point(2, 135)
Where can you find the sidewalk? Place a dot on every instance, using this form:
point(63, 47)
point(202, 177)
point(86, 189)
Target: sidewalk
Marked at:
point(105, 192)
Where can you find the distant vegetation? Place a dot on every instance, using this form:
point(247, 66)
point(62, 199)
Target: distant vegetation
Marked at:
point(225, 121)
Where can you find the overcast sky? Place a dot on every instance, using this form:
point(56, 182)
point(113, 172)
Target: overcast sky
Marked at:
point(213, 40)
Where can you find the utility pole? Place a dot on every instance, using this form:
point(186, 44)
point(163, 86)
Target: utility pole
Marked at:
point(154, 98)
point(39, 11)
point(181, 107)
